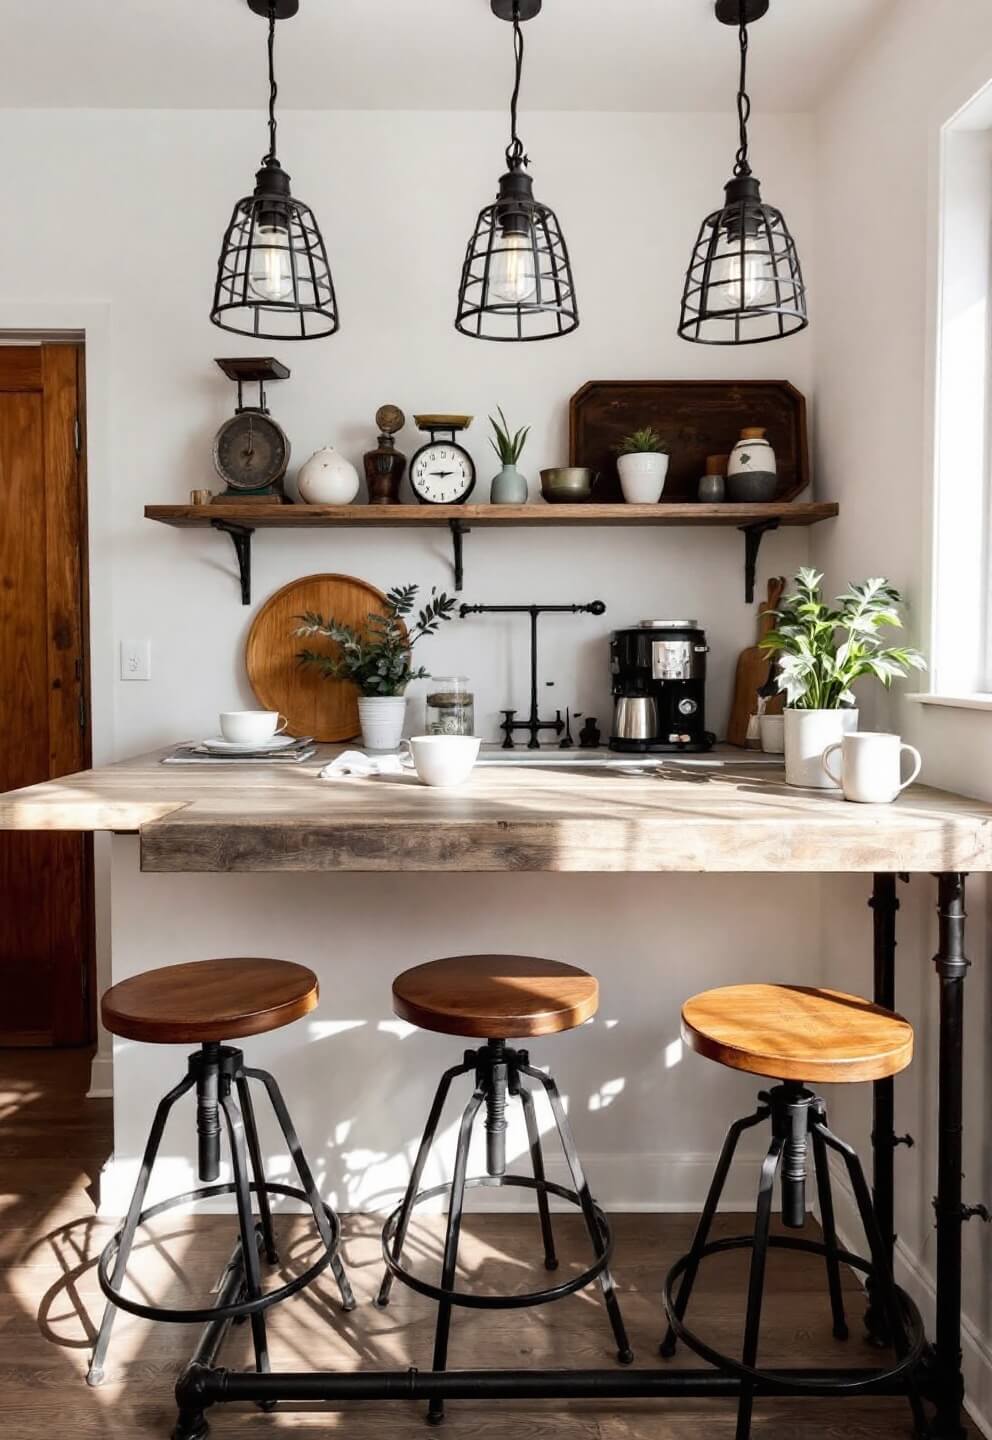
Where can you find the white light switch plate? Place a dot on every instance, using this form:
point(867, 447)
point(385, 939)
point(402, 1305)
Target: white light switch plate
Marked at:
point(136, 659)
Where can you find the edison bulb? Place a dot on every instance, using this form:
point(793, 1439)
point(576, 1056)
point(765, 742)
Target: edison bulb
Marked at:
point(512, 277)
point(271, 274)
point(734, 269)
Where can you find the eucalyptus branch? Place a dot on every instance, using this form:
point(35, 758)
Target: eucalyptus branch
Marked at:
point(378, 658)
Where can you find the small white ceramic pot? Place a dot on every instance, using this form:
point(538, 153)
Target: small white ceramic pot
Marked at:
point(328, 478)
point(382, 719)
point(642, 477)
point(772, 731)
point(807, 734)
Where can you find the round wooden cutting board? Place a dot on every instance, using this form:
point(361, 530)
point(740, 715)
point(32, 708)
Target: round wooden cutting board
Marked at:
point(313, 705)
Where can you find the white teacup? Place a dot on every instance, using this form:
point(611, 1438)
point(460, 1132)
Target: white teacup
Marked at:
point(871, 766)
point(443, 760)
point(251, 727)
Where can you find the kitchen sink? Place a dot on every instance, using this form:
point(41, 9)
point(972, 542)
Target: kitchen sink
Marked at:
point(604, 759)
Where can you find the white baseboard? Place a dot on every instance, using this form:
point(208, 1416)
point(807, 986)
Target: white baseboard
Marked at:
point(650, 1183)
point(101, 1078)
point(916, 1279)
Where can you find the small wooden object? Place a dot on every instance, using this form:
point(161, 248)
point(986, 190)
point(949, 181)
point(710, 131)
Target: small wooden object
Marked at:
point(209, 1000)
point(498, 997)
point(753, 669)
point(797, 1032)
point(314, 705)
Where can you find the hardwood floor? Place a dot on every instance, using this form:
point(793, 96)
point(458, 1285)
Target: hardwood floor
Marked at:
point(53, 1143)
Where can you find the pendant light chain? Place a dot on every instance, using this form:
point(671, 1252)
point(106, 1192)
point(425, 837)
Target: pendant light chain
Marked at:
point(515, 154)
point(273, 87)
point(741, 165)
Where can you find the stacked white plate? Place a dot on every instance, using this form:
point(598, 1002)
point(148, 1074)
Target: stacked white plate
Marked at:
point(217, 745)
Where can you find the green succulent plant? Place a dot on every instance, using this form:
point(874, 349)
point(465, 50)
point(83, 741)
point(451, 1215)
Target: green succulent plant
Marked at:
point(508, 447)
point(822, 651)
point(646, 441)
point(378, 658)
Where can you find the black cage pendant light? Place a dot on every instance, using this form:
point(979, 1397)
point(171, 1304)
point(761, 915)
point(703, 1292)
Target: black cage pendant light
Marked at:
point(744, 283)
point(517, 279)
point(273, 277)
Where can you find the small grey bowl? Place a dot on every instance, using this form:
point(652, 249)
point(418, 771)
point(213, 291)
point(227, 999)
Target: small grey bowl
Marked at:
point(758, 487)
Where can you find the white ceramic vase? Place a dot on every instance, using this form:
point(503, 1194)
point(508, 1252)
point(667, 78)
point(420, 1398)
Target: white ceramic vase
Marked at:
point(328, 478)
point(381, 718)
point(642, 477)
point(752, 471)
point(807, 735)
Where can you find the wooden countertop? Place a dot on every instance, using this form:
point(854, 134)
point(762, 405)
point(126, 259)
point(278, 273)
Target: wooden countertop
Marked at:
point(741, 817)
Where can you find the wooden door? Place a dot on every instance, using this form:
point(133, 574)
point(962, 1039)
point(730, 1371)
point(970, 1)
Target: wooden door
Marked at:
point(46, 920)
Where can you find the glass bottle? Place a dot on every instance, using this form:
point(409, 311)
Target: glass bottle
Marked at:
point(450, 706)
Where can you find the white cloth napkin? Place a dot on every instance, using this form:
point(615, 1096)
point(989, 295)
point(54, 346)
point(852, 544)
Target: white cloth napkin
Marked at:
point(355, 762)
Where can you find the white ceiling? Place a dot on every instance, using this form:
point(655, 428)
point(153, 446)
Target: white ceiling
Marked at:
point(419, 54)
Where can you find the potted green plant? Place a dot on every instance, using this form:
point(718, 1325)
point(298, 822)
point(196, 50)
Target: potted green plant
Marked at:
point(643, 465)
point(378, 658)
point(509, 486)
point(821, 651)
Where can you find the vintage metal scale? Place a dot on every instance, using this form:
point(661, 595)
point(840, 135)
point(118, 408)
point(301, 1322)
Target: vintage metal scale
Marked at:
point(251, 451)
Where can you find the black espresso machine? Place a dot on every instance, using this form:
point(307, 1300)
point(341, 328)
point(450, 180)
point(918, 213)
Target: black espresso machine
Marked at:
point(659, 687)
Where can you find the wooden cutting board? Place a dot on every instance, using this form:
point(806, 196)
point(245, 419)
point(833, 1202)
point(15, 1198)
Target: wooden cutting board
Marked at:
point(313, 705)
point(753, 668)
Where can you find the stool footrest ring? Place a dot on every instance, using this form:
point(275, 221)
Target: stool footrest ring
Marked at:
point(500, 1302)
point(238, 1309)
point(913, 1319)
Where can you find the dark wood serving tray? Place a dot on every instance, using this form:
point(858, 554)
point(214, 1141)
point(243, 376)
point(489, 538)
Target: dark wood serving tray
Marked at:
point(696, 418)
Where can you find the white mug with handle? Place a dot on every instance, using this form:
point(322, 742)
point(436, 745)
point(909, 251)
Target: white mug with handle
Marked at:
point(871, 766)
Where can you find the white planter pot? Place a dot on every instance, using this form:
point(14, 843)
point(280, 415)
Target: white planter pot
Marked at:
point(642, 477)
point(382, 719)
point(807, 735)
point(328, 478)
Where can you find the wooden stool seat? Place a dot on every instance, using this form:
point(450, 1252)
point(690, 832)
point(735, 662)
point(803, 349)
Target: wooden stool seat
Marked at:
point(505, 997)
point(209, 1000)
point(796, 1032)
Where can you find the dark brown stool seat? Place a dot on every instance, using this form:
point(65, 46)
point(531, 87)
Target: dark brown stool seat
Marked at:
point(209, 1000)
point(797, 1032)
point(489, 996)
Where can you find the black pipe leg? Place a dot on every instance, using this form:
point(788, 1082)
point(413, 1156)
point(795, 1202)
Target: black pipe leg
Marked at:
point(417, 1174)
point(307, 1182)
point(668, 1344)
point(95, 1374)
point(537, 1164)
point(952, 967)
point(885, 1289)
point(756, 1282)
point(884, 905)
point(257, 1169)
point(435, 1413)
point(246, 1222)
point(580, 1185)
point(824, 1192)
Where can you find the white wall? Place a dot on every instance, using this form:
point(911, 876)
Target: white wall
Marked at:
point(127, 208)
point(877, 155)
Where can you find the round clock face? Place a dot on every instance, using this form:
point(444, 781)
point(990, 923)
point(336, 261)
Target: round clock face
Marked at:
point(250, 451)
point(442, 473)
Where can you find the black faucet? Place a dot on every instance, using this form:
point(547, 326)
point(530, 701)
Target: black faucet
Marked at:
point(534, 724)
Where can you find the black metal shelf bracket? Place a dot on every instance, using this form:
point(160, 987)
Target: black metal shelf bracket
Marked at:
point(753, 535)
point(241, 538)
point(458, 531)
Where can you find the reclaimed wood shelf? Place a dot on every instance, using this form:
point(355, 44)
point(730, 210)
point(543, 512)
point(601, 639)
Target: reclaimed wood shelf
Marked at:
point(240, 521)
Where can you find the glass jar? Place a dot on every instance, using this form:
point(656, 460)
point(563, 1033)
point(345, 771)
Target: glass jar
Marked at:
point(450, 706)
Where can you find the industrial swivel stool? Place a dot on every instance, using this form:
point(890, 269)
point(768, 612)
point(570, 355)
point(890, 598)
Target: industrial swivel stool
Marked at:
point(208, 1002)
point(796, 1034)
point(496, 998)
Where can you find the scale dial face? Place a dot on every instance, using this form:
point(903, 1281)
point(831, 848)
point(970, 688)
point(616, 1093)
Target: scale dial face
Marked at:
point(442, 473)
point(251, 452)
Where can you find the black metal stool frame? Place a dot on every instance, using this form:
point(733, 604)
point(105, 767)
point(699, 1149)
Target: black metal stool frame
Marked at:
point(214, 1071)
point(797, 1116)
point(499, 1071)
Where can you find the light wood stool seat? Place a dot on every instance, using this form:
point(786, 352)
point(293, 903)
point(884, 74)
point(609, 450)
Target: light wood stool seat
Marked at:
point(207, 1001)
point(797, 1032)
point(489, 996)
